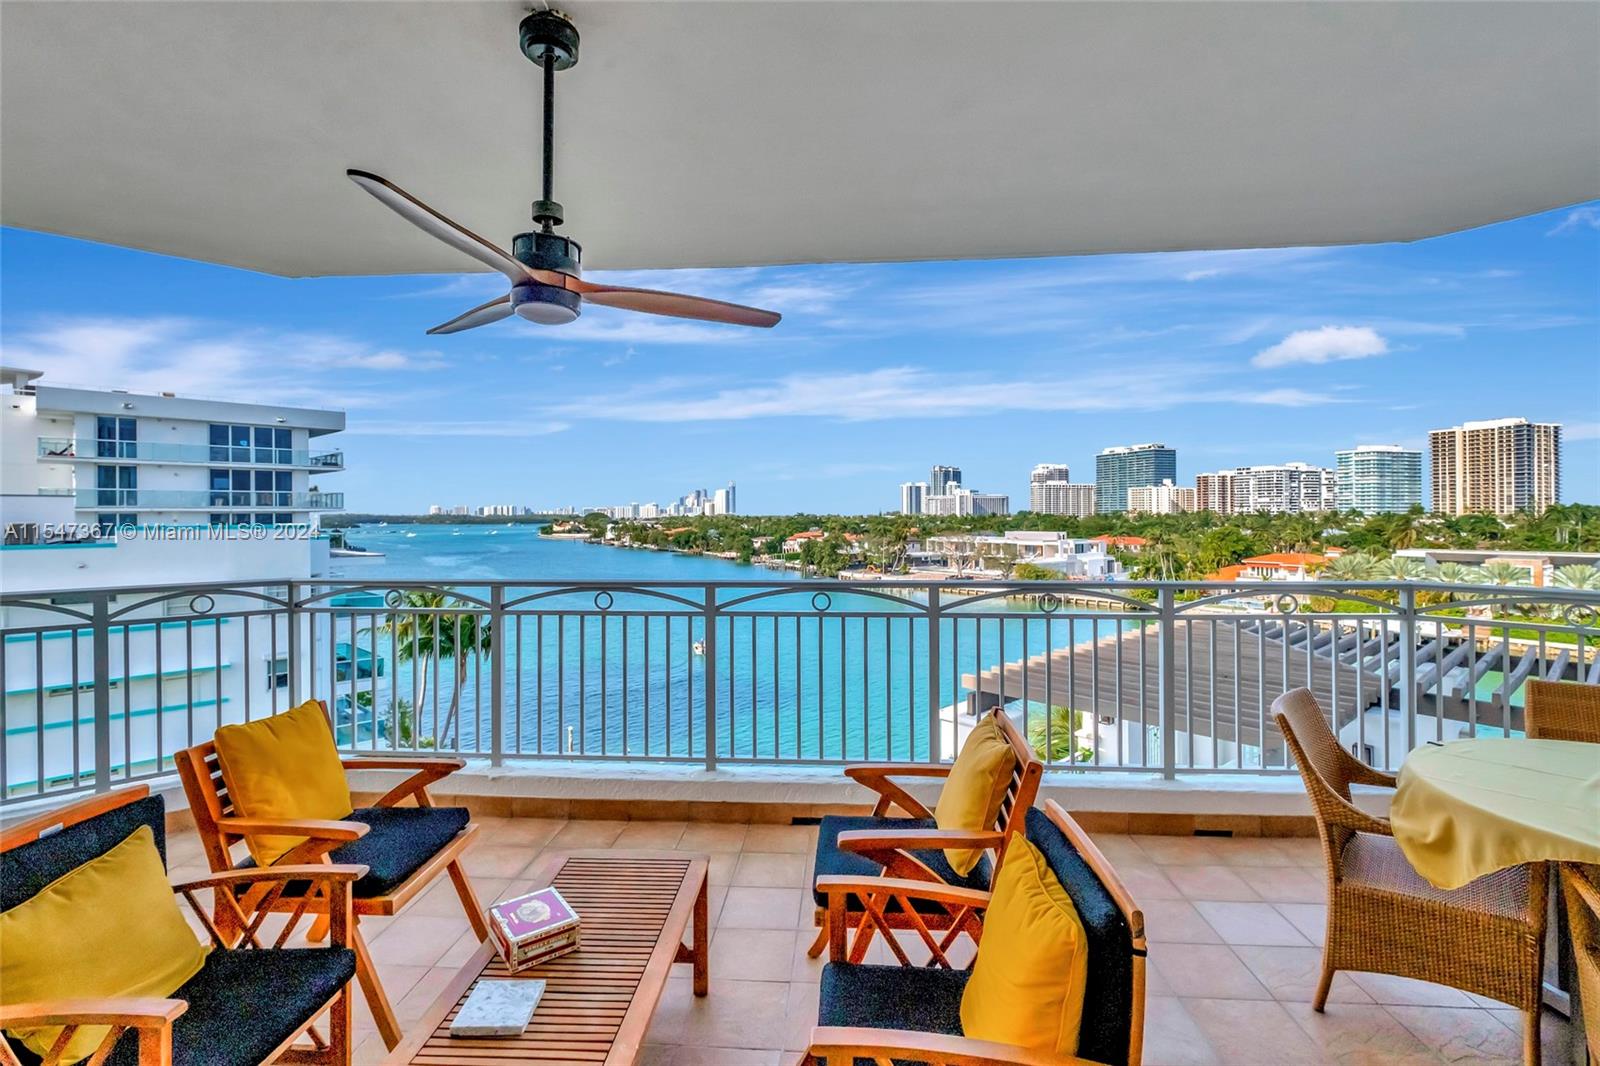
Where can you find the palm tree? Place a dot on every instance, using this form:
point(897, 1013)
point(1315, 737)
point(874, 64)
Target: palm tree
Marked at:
point(1454, 573)
point(422, 634)
point(1577, 576)
point(1057, 741)
point(1502, 573)
point(1405, 568)
point(1402, 531)
point(1353, 566)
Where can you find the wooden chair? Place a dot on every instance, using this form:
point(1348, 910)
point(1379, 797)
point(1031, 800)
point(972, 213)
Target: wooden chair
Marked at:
point(912, 1013)
point(1580, 885)
point(406, 848)
point(1383, 917)
point(911, 847)
point(1563, 710)
point(250, 1003)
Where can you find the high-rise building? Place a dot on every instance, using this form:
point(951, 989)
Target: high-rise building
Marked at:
point(1116, 470)
point(1045, 474)
point(1497, 467)
point(940, 478)
point(960, 501)
point(1285, 488)
point(1378, 478)
point(912, 493)
point(1165, 498)
point(1063, 498)
point(1214, 492)
point(723, 501)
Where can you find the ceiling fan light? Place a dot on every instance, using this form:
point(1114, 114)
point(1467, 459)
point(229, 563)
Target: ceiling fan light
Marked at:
point(546, 304)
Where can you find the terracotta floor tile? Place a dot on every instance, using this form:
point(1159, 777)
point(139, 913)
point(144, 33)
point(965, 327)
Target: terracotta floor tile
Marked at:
point(1360, 1034)
point(713, 836)
point(417, 939)
point(1147, 881)
point(761, 908)
point(733, 1014)
point(1303, 851)
point(1178, 851)
point(1404, 991)
point(1121, 849)
point(422, 995)
point(768, 869)
point(587, 834)
point(1291, 974)
point(397, 980)
point(1245, 1032)
point(1459, 1035)
point(1176, 921)
point(721, 867)
point(1252, 851)
point(800, 1010)
point(441, 900)
point(803, 968)
point(752, 954)
point(1210, 882)
point(796, 839)
point(1205, 970)
point(1284, 884)
point(1250, 923)
point(498, 861)
point(528, 832)
point(651, 836)
point(1171, 1037)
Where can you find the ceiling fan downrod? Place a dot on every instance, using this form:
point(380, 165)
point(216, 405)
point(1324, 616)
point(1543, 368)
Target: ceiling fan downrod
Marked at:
point(550, 41)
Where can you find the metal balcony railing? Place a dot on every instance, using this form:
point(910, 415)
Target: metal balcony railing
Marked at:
point(209, 499)
point(103, 686)
point(195, 454)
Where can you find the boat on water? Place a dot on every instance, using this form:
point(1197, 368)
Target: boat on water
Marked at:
point(354, 553)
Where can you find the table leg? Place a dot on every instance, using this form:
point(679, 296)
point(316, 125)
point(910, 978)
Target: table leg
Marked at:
point(702, 940)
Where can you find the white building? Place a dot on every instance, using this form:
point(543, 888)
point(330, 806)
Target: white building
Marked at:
point(724, 501)
point(912, 495)
point(1378, 478)
point(960, 501)
point(1051, 491)
point(1165, 498)
point(1287, 488)
point(1074, 558)
point(102, 489)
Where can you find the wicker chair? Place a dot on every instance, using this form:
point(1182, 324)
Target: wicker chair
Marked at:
point(1562, 710)
point(1383, 917)
point(1581, 886)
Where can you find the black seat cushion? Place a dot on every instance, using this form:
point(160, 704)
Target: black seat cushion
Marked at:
point(399, 841)
point(914, 998)
point(833, 862)
point(30, 867)
point(1108, 994)
point(243, 1005)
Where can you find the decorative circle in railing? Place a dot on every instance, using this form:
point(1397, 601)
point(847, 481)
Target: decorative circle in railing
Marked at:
point(1287, 604)
point(1579, 614)
point(603, 600)
point(821, 601)
point(1049, 602)
point(202, 604)
point(392, 597)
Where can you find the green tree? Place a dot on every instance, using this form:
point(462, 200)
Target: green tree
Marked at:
point(1577, 576)
point(1353, 566)
point(424, 631)
point(1054, 737)
point(1501, 573)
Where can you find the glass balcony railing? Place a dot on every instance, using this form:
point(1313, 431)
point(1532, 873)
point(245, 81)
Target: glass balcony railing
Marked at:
point(209, 499)
point(199, 454)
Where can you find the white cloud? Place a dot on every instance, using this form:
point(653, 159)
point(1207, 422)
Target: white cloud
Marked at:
point(1200, 275)
point(1325, 345)
point(481, 428)
point(1579, 218)
point(916, 392)
point(1580, 431)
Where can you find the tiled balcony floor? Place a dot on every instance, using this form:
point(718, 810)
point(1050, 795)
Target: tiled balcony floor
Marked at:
point(1234, 924)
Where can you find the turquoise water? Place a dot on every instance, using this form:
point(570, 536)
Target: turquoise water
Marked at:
point(794, 682)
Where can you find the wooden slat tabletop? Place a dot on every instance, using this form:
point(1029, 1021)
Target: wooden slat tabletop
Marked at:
point(635, 908)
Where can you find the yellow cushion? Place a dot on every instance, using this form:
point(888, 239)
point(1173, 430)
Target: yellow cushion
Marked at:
point(111, 927)
point(976, 785)
point(283, 767)
point(1028, 980)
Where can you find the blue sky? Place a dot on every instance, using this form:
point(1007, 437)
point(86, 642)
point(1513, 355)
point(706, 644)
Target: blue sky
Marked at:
point(876, 372)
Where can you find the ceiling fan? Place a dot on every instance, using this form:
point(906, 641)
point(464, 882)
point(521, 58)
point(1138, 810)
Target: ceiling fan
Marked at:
point(543, 266)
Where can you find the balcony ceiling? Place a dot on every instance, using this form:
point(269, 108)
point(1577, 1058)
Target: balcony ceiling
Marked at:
point(718, 134)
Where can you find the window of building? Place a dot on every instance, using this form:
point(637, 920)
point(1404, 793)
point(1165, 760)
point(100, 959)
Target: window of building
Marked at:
point(252, 444)
point(116, 486)
point(108, 521)
point(116, 438)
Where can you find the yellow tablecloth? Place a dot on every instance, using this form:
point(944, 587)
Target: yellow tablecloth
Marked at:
point(1469, 808)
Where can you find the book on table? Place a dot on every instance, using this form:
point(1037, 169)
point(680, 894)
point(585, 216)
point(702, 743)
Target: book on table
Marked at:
point(533, 928)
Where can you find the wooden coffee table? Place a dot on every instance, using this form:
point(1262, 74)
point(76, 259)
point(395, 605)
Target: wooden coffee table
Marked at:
point(635, 907)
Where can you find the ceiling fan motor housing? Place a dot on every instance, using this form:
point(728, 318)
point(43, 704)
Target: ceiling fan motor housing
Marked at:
point(548, 305)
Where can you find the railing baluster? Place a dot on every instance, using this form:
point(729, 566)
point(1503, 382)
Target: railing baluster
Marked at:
point(101, 635)
point(497, 673)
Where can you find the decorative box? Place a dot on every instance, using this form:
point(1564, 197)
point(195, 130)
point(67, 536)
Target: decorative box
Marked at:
point(534, 928)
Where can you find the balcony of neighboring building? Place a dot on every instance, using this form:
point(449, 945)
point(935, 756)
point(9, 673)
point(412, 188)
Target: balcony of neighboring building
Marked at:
point(136, 499)
point(69, 449)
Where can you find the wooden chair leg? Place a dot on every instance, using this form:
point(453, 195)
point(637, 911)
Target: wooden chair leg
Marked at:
point(377, 999)
point(340, 1035)
point(819, 945)
point(1325, 983)
point(1531, 1043)
point(469, 900)
point(318, 931)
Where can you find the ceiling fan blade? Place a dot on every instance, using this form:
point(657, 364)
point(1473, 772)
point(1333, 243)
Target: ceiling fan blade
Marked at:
point(452, 233)
point(653, 302)
point(482, 315)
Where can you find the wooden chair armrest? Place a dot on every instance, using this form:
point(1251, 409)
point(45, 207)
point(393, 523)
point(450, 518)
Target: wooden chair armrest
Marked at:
point(841, 1046)
point(135, 1012)
point(877, 776)
point(937, 891)
point(425, 771)
point(314, 828)
point(259, 874)
point(864, 841)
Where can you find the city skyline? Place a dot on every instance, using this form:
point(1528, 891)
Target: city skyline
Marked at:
point(1232, 358)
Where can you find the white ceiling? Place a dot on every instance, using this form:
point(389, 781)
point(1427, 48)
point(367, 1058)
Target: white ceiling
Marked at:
point(714, 134)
